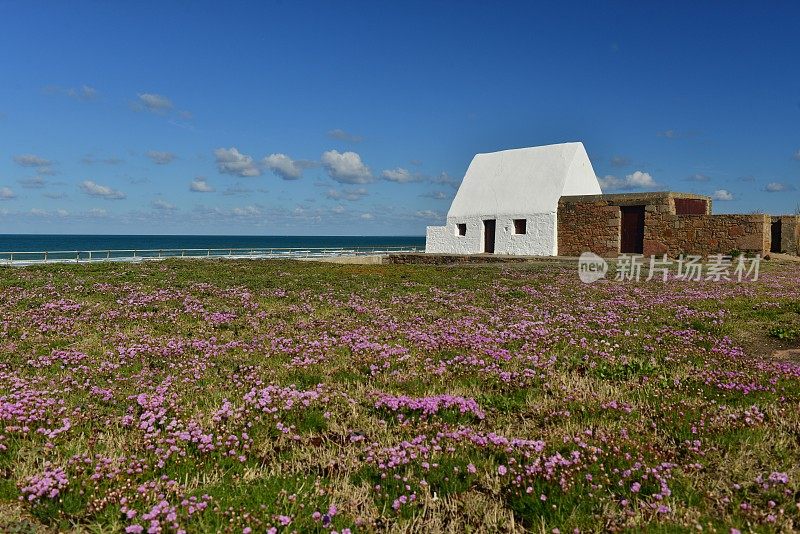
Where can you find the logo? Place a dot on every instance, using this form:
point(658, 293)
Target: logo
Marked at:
point(591, 267)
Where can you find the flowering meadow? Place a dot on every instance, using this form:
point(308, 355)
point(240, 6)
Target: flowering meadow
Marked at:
point(267, 396)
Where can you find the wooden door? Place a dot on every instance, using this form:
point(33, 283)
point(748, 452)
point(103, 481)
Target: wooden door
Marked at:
point(632, 230)
point(488, 235)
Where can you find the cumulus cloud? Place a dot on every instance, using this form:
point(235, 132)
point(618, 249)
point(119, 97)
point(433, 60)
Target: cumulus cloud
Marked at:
point(103, 191)
point(698, 178)
point(635, 180)
point(722, 195)
point(347, 194)
point(340, 135)
point(285, 167)
point(346, 168)
point(161, 158)
point(200, 185)
point(367, 216)
point(231, 161)
point(6, 193)
point(33, 161)
point(778, 187)
point(401, 176)
point(163, 205)
point(338, 209)
point(153, 103)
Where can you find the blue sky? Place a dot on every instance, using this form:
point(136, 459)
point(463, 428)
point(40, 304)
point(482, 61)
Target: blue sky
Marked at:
point(360, 118)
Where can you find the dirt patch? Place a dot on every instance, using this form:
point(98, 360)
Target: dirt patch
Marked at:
point(792, 355)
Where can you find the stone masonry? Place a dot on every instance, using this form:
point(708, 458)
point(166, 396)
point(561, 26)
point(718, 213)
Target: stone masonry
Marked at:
point(594, 223)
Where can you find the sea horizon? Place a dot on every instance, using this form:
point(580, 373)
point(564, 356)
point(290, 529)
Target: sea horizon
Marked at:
point(65, 242)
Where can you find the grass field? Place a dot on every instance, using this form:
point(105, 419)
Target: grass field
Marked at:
point(254, 396)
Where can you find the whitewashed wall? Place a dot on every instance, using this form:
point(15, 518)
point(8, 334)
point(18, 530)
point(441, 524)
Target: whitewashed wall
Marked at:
point(539, 240)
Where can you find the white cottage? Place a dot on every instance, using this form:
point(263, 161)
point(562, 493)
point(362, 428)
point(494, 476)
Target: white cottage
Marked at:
point(508, 200)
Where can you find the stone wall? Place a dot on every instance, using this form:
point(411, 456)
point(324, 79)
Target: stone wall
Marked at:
point(790, 234)
point(591, 226)
point(592, 223)
point(705, 234)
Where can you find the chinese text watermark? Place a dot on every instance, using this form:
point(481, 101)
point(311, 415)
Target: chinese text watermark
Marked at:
point(719, 267)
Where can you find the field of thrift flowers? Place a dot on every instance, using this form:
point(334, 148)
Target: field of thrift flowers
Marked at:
point(265, 396)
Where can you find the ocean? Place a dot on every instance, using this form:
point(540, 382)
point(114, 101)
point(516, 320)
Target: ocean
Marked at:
point(67, 242)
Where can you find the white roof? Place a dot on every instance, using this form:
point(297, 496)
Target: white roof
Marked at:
point(524, 180)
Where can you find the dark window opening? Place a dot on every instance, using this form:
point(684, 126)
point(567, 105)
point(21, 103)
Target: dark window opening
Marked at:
point(520, 226)
point(776, 236)
point(461, 228)
point(690, 206)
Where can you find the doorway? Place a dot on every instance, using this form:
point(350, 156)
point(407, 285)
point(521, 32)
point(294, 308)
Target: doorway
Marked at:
point(777, 227)
point(489, 226)
point(632, 230)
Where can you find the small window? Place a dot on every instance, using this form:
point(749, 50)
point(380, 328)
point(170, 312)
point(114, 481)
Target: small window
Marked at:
point(520, 226)
point(461, 228)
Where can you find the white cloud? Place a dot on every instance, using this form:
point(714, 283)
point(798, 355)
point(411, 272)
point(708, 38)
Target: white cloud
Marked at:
point(347, 194)
point(200, 185)
point(153, 102)
point(31, 160)
point(231, 161)
point(698, 178)
point(103, 191)
point(338, 209)
point(777, 187)
point(37, 212)
point(341, 135)
point(635, 180)
point(797, 155)
point(163, 205)
point(62, 213)
point(284, 166)
point(428, 214)
point(722, 195)
point(246, 211)
point(346, 168)
point(6, 193)
point(640, 179)
point(160, 158)
point(367, 216)
point(401, 176)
